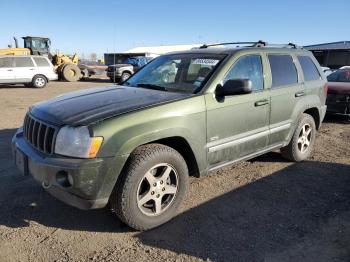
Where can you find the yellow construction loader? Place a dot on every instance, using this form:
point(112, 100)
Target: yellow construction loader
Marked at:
point(66, 66)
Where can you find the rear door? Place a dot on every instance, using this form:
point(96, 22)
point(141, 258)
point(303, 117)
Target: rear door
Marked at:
point(312, 78)
point(24, 69)
point(286, 89)
point(6, 70)
point(43, 67)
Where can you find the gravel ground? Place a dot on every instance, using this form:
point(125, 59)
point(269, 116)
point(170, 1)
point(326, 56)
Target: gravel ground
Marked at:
point(266, 209)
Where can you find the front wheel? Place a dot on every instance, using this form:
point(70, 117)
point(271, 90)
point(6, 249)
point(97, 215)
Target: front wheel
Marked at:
point(300, 147)
point(125, 76)
point(151, 188)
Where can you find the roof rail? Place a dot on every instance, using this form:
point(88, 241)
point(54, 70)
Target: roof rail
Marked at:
point(259, 43)
point(252, 44)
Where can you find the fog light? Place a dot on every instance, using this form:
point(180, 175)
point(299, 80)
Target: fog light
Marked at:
point(70, 180)
point(62, 178)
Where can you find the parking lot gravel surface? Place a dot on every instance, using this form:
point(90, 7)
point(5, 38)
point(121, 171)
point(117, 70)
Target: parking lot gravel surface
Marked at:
point(265, 209)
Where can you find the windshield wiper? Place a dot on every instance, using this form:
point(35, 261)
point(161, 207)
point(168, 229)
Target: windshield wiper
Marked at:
point(152, 86)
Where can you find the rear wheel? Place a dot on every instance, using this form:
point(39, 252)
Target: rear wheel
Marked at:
point(151, 188)
point(39, 81)
point(300, 147)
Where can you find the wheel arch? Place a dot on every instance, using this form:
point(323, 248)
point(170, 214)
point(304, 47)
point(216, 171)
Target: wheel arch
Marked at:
point(47, 80)
point(315, 113)
point(181, 145)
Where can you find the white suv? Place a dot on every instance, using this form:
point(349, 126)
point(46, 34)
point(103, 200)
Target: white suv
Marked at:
point(33, 71)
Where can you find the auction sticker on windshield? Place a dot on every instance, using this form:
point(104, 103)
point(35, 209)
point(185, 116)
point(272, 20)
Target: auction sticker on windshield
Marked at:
point(205, 61)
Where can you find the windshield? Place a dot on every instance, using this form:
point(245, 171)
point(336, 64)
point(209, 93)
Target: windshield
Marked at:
point(339, 76)
point(178, 73)
point(135, 61)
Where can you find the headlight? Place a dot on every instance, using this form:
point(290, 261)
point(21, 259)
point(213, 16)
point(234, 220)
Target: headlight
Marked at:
point(77, 142)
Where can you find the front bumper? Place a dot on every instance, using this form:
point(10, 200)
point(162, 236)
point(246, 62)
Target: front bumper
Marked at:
point(115, 74)
point(338, 104)
point(92, 179)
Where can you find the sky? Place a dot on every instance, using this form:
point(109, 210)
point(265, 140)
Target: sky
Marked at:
point(113, 26)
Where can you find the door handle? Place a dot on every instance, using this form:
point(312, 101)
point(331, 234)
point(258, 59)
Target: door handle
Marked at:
point(9, 70)
point(261, 102)
point(299, 94)
point(32, 69)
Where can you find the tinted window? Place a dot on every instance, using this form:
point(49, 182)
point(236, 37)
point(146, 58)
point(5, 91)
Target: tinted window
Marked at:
point(339, 76)
point(309, 69)
point(41, 62)
point(6, 62)
point(248, 67)
point(24, 62)
point(283, 70)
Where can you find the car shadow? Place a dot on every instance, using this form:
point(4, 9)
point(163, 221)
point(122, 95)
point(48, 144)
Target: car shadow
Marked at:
point(7, 86)
point(300, 213)
point(336, 119)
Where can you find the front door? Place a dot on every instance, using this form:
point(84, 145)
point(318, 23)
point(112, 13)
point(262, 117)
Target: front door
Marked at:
point(237, 126)
point(6, 70)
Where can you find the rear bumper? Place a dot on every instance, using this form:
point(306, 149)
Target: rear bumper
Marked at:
point(92, 179)
point(338, 104)
point(52, 77)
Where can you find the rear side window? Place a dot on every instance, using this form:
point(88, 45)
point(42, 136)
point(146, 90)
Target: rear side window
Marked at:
point(41, 62)
point(248, 67)
point(24, 62)
point(283, 70)
point(309, 68)
point(6, 62)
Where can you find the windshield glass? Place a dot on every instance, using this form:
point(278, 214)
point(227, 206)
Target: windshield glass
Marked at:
point(178, 73)
point(135, 61)
point(339, 76)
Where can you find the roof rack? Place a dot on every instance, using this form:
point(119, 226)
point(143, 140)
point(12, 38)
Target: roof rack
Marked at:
point(259, 43)
point(252, 44)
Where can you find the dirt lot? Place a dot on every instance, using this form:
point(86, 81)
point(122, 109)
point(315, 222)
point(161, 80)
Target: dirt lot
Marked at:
point(265, 209)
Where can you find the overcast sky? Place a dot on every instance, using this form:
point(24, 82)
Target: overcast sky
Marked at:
point(101, 26)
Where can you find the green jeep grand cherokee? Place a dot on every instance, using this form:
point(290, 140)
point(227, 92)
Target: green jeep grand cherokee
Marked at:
point(185, 113)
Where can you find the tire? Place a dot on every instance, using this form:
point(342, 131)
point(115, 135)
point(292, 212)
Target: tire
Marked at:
point(125, 76)
point(302, 142)
point(39, 81)
point(71, 73)
point(150, 163)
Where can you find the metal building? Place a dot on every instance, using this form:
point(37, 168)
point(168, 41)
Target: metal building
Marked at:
point(333, 55)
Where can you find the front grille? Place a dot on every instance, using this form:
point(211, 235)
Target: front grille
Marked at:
point(39, 134)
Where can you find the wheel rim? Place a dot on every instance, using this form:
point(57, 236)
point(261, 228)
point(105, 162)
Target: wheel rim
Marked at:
point(157, 189)
point(39, 82)
point(304, 139)
point(125, 77)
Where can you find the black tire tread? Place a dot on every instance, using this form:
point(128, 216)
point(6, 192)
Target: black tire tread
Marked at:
point(139, 156)
point(290, 152)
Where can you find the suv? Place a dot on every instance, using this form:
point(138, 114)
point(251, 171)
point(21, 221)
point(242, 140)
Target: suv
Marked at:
point(122, 71)
point(134, 146)
point(33, 71)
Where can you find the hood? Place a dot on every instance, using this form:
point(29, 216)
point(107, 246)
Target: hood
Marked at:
point(339, 87)
point(91, 105)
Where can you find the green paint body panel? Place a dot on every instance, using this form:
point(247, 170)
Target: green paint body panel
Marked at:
point(218, 131)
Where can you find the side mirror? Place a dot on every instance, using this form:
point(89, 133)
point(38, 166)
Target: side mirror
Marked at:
point(234, 87)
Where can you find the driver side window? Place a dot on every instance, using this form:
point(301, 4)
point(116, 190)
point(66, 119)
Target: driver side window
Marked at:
point(248, 67)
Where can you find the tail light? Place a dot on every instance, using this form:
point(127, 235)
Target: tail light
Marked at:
point(325, 89)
